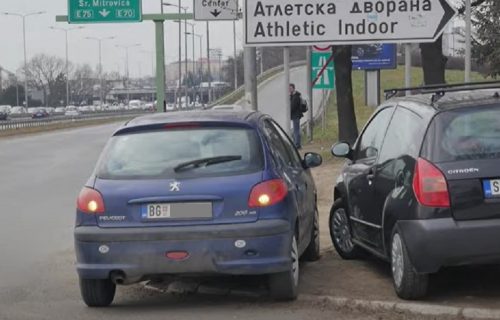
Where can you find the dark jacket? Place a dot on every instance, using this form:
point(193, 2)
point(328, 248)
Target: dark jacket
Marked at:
point(295, 104)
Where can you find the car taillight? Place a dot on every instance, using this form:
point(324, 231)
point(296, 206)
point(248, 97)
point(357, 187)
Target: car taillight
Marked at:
point(267, 193)
point(90, 201)
point(429, 185)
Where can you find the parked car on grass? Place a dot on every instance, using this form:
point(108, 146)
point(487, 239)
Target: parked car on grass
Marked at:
point(421, 186)
point(72, 113)
point(39, 114)
point(203, 193)
point(3, 116)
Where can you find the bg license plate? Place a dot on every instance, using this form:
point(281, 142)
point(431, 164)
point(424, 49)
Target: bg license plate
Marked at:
point(491, 188)
point(156, 211)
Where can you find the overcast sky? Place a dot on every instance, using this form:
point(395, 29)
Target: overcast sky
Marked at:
point(41, 39)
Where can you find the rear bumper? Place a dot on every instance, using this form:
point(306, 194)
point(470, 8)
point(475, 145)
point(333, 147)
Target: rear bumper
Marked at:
point(140, 252)
point(437, 243)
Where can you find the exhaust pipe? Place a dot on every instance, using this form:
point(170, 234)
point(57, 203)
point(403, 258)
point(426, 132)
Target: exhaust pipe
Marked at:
point(118, 277)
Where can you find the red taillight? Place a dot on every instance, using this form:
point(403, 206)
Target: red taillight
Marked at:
point(177, 255)
point(90, 201)
point(429, 185)
point(267, 193)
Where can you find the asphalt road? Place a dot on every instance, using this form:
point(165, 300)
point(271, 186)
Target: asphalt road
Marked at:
point(40, 178)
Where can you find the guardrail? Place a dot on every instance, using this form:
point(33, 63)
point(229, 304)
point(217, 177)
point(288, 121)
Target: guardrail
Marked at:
point(21, 123)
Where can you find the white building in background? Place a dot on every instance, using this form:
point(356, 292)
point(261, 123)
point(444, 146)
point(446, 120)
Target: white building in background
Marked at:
point(454, 39)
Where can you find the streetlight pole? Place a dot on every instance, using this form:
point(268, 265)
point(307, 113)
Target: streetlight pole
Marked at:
point(208, 64)
point(67, 58)
point(127, 70)
point(468, 39)
point(24, 16)
point(100, 40)
point(235, 57)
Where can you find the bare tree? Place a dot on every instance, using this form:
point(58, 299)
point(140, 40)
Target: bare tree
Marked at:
point(42, 72)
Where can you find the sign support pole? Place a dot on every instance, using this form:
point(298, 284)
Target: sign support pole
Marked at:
point(286, 64)
point(250, 56)
point(372, 88)
point(310, 123)
point(160, 65)
point(468, 36)
point(408, 66)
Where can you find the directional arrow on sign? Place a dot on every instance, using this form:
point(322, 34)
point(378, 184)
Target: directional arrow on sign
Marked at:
point(104, 13)
point(215, 13)
point(345, 22)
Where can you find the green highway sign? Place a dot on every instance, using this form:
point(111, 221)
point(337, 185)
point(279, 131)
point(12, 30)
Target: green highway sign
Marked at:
point(327, 78)
point(104, 11)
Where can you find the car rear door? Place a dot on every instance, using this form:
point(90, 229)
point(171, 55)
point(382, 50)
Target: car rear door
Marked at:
point(360, 174)
point(464, 143)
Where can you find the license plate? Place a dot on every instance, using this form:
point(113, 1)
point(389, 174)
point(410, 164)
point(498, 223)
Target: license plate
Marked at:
point(491, 188)
point(175, 210)
point(156, 211)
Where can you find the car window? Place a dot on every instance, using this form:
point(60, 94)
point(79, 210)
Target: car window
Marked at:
point(155, 154)
point(278, 148)
point(290, 148)
point(404, 135)
point(370, 141)
point(464, 134)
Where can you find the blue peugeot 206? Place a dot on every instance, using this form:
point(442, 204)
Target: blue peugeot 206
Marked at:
point(205, 193)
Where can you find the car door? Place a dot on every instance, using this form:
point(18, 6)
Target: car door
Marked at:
point(305, 186)
point(289, 169)
point(393, 173)
point(359, 176)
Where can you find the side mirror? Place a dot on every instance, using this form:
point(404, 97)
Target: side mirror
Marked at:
point(342, 150)
point(312, 160)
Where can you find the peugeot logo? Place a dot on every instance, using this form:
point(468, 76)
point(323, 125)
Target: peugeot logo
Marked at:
point(175, 186)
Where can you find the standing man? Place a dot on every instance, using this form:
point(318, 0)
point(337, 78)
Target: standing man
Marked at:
point(296, 114)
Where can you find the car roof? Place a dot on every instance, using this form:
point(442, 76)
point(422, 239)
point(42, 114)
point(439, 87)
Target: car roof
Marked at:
point(450, 100)
point(222, 116)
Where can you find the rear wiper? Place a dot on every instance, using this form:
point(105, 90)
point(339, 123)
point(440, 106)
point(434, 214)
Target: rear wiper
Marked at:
point(206, 162)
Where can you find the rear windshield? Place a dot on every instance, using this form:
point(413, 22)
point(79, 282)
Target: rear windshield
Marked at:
point(166, 154)
point(464, 134)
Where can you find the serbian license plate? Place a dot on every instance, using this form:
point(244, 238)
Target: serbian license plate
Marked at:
point(156, 211)
point(175, 210)
point(491, 188)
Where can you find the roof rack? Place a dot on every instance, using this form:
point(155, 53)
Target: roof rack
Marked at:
point(440, 90)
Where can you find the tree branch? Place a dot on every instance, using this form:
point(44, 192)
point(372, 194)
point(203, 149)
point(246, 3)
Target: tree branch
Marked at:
point(473, 4)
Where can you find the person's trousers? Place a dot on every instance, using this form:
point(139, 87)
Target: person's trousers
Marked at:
point(296, 132)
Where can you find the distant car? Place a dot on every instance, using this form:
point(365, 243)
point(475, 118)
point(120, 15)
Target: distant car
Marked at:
point(40, 113)
point(229, 107)
point(60, 110)
point(200, 193)
point(3, 116)
point(5, 109)
point(18, 110)
point(72, 113)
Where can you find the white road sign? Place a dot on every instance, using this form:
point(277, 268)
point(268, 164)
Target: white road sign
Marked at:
point(208, 10)
point(309, 22)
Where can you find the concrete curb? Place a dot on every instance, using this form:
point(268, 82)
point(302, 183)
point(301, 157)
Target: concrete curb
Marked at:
point(409, 307)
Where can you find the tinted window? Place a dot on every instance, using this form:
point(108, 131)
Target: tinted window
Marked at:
point(371, 140)
point(464, 134)
point(156, 154)
point(404, 136)
point(278, 148)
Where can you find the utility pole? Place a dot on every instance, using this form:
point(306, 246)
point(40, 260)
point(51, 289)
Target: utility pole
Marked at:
point(286, 64)
point(407, 66)
point(208, 65)
point(250, 54)
point(235, 57)
point(100, 40)
point(67, 58)
point(468, 40)
point(310, 123)
point(23, 17)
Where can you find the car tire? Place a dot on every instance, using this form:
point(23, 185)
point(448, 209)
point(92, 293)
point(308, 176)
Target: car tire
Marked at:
point(408, 284)
point(312, 252)
point(97, 292)
point(341, 232)
point(284, 286)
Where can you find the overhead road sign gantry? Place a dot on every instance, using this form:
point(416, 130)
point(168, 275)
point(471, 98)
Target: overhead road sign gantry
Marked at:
point(104, 11)
point(215, 10)
point(313, 22)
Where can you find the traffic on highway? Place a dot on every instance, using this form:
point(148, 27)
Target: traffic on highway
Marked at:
point(174, 171)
